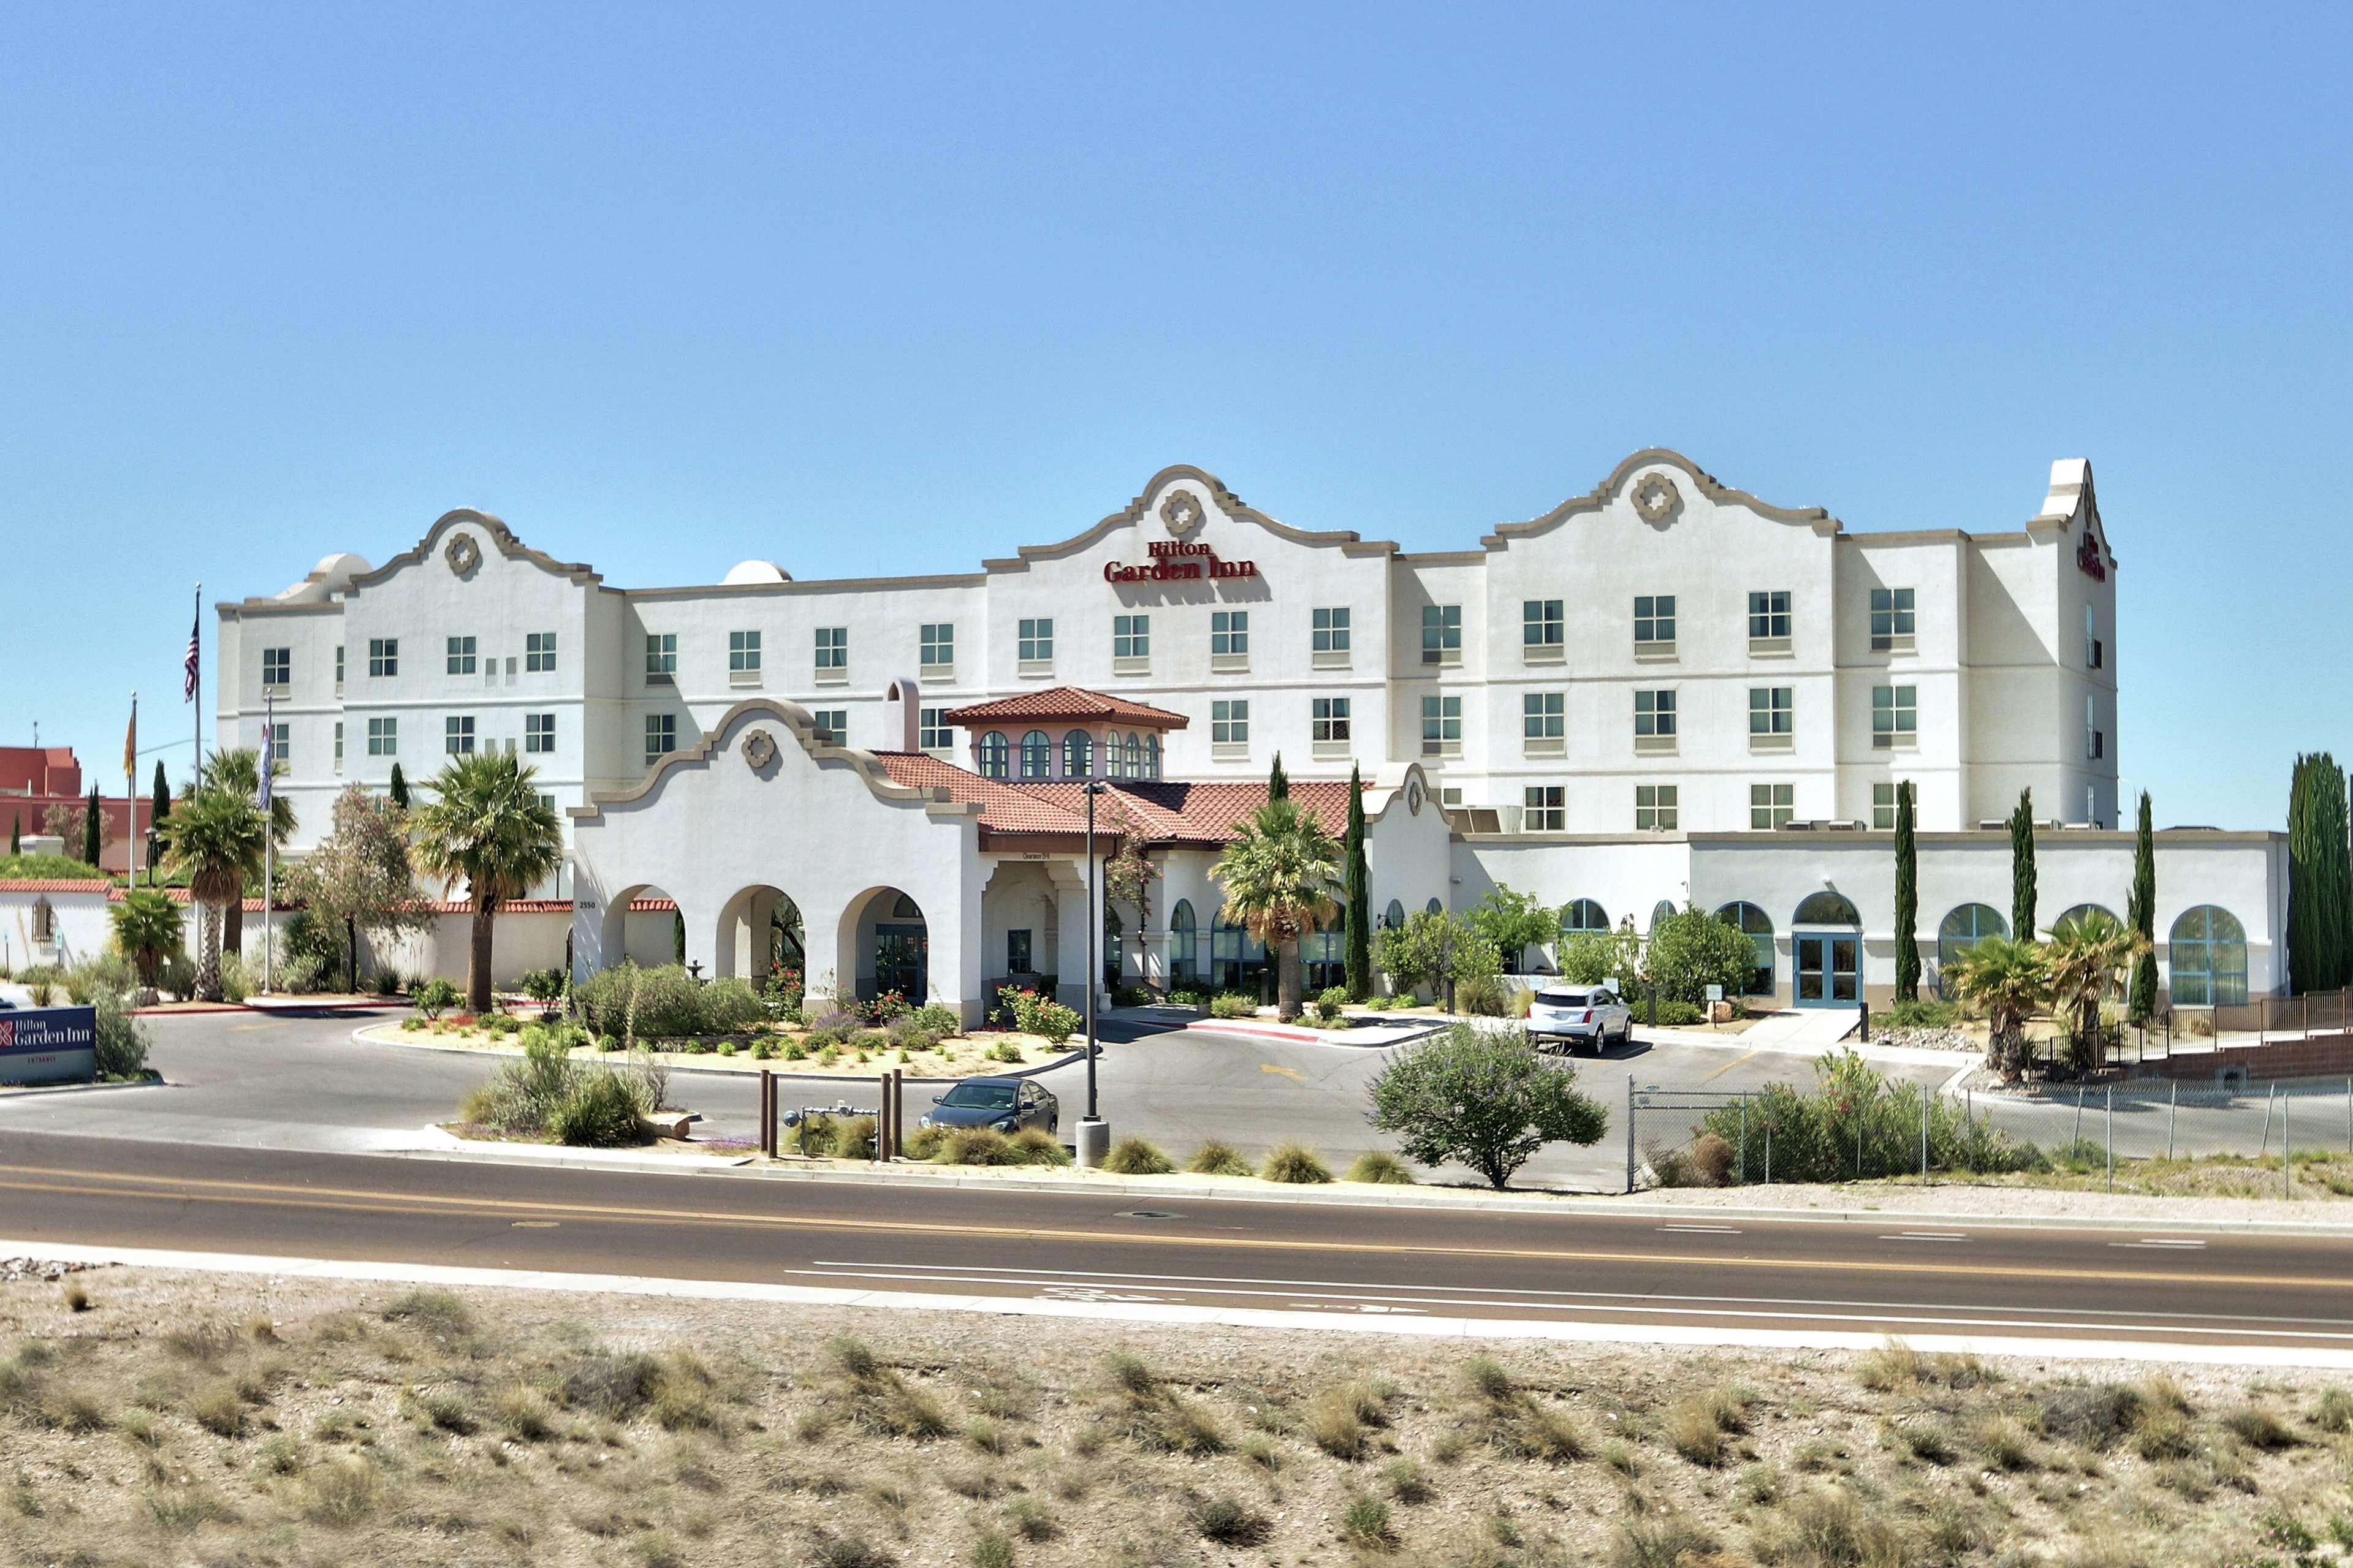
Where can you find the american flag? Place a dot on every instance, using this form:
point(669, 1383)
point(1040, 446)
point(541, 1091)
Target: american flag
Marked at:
point(188, 680)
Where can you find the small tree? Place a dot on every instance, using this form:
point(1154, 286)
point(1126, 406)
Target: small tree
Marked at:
point(63, 821)
point(487, 828)
point(1514, 922)
point(2141, 915)
point(1591, 957)
point(1357, 888)
point(160, 806)
point(147, 928)
point(2021, 866)
point(1439, 948)
point(1278, 782)
point(358, 880)
point(1691, 950)
point(1279, 874)
point(1907, 898)
point(2320, 878)
point(93, 828)
point(398, 788)
point(16, 834)
point(1483, 1098)
point(2087, 957)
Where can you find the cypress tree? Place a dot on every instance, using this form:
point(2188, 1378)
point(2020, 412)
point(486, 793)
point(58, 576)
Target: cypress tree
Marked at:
point(399, 788)
point(2320, 877)
point(93, 828)
point(1907, 899)
point(16, 834)
point(1359, 879)
point(2021, 868)
point(1278, 782)
point(2142, 914)
point(158, 808)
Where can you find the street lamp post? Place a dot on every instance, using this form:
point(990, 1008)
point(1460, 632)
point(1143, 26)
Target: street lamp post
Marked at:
point(1094, 1140)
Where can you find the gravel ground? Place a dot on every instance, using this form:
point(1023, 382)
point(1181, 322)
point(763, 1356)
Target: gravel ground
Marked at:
point(1959, 1196)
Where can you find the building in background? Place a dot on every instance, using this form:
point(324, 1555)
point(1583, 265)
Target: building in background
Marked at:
point(41, 785)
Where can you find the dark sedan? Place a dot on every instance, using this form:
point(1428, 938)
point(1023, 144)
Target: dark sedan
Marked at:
point(1007, 1104)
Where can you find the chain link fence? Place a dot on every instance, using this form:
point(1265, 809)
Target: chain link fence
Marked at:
point(1734, 1138)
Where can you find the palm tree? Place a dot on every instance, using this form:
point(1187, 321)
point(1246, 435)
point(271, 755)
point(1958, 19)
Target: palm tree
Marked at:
point(1279, 874)
point(487, 828)
point(214, 838)
point(2006, 979)
point(147, 929)
point(2087, 955)
point(238, 769)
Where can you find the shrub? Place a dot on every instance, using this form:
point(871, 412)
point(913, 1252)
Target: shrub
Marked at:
point(1705, 1161)
point(1036, 1146)
point(108, 971)
point(1365, 1521)
point(2333, 1413)
point(1296, 1164)
point(2259, 1428)
point(433, 997)
point(1672, 1015)
point(1004, 1051)
point(122, 1039)
point(852, 1138)
point(542, 986)
point(1691, 950)
point(1482, 995)
point(668, 1002)
point(907, 1033)
point(1815, 1133)
point(831, 1029)
point(1230, 1522)
point(1218, 1158)
point(728, 1005)
point(599, 1113)
point(973, 1146)
point(1331, 1003)
point(1923, 1015)
point(1380, 1167)
point(1233, 1004)
point(1138, 1157)
point(1049, 1020)
point(1484, 1098)
point(521, 1095)
point(992, 1550)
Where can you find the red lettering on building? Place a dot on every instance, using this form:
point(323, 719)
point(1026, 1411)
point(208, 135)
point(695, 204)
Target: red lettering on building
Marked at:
point(1174, 561)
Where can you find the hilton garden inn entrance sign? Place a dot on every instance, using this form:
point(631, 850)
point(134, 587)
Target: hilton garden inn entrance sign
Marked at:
point(48, 1045)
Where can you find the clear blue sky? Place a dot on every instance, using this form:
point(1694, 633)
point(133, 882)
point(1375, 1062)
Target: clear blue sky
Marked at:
point(873, 288)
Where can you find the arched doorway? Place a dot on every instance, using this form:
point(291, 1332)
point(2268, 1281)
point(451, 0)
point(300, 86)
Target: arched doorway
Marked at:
point(759, 935)
point(1829, 959)
point(887, 942)
point(1183, 953)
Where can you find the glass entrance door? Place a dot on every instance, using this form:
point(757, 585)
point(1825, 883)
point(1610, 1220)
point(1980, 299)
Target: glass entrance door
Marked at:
point(903, 961)
point(1829, 968)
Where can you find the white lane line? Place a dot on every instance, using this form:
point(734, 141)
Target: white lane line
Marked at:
point(1174, 1314)
point(1492, 1294)
point(2179, 1244)
point(1701, 1230)
point(1925, 1236)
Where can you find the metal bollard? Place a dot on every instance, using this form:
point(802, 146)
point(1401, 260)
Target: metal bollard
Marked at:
point(2287, 1152)
point(1630, 1119)
point(2172, 1115)
point(2111, 1138)
point(1862, 1021)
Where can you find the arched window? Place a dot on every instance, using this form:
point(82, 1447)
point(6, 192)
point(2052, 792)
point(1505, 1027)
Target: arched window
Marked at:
point(995, 753)
point(906, 909)
point(2207, 953)
point(1826, 909)
point(1183, 954)
point(1113, 768)
point(1152, 756)
point(1758, 927)
point(1436, 908)
point(1661, 911)
point(1584, 914)
point(1393, 918)
point(1037, 755)
point(1078, 755)
point(2078, 915)
point(1134, 756)
point(1961, 930)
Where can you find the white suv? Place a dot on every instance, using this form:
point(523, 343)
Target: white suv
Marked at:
point(1564, 1017)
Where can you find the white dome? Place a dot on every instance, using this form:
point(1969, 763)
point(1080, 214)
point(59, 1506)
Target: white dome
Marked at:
point(332, 574)
point(745, 571)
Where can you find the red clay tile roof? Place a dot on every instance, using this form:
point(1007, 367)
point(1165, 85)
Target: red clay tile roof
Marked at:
point(1168, 810)
point(1064, 702)
point(55, 885)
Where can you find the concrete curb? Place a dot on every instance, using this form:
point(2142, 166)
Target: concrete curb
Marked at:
point(443, 1145)
point(1311, 1037)
point(362, 1037)
point(48, 1089)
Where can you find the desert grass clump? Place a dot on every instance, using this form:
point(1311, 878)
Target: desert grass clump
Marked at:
point(185, 1509)
point(2001, 1443)
point(1156, 1417)
point(1295, 1164)
point(1218, 1158)
point(612, 1385)
point(1138, 1157)
point(1406, 1482)
point(339, 1493)
point(524, 1414)
point(218, 1409)
point(1366, 1523)
point(1030, 1519)
point(1515, 1423)
point(1380, 1168)
point(1229, 1521)
point(1693, 1431)
point(881, 1401)
point(2333, 1412)
point(849, 1552)
point(993, 1550)
point(439, 1314)
point(1338, 1419)
point(1036, 1146)
point(1128, 1373)
point(2095, 1416)
point(445, 1412)
point(1925, 1441)
point(1672, 1542)
point(2258, 1427)
point(76, 1299)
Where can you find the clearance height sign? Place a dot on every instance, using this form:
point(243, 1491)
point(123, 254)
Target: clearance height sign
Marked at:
point(48, 1045)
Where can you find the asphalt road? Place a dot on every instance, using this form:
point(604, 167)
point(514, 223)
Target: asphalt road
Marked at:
point(1707, 1273)
point(241, 1079)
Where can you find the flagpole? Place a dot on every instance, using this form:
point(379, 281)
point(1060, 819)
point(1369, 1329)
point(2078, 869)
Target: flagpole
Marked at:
point(130, 784)
point(269, 842)
point(196, 698)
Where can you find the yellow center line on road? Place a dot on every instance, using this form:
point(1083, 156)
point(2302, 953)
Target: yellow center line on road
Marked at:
point(263, 1194)
point(1287, 1072)
point(1728, 1066)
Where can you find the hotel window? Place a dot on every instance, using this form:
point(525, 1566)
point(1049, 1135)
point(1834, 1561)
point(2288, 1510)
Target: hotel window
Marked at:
point(1450, 796)
point(936, 640)
point(1441, 633)
point(458, 735)
point(539, 652)
point(2094, 744)
point(1547, 809)
point(282, 745)
point(932, 730)
point(995, 755)
point(1540, 623)
point(1330, 631)
point(1131, 636)
point(383, 656)
point(1768, 616)
point(1228, 634)
point(547, 804)
point(661, 736)
point(1654, 808)
point(1883, 806)
point(661, 658)
point(1229, 723)
point(2092, 659)
point(1441, 726)
point(1894, 716)
point(1115, 760)
point(339, 745)
point(1655, 713)
point(742, 653)
point(1017, 952)
point(1772, 710)
point(1654, 622)
point(1771, 804)
point(539, 732)
point(383, 737)
point(1078, 755)
point(1151, 755)
point(1037, 641)
point(277, 667)
point(832, 648)
point(831, 724)
point(1891, 620)
point(1542, 716)
point(461, 656)
point(1037, 755)
point(1330, 719)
